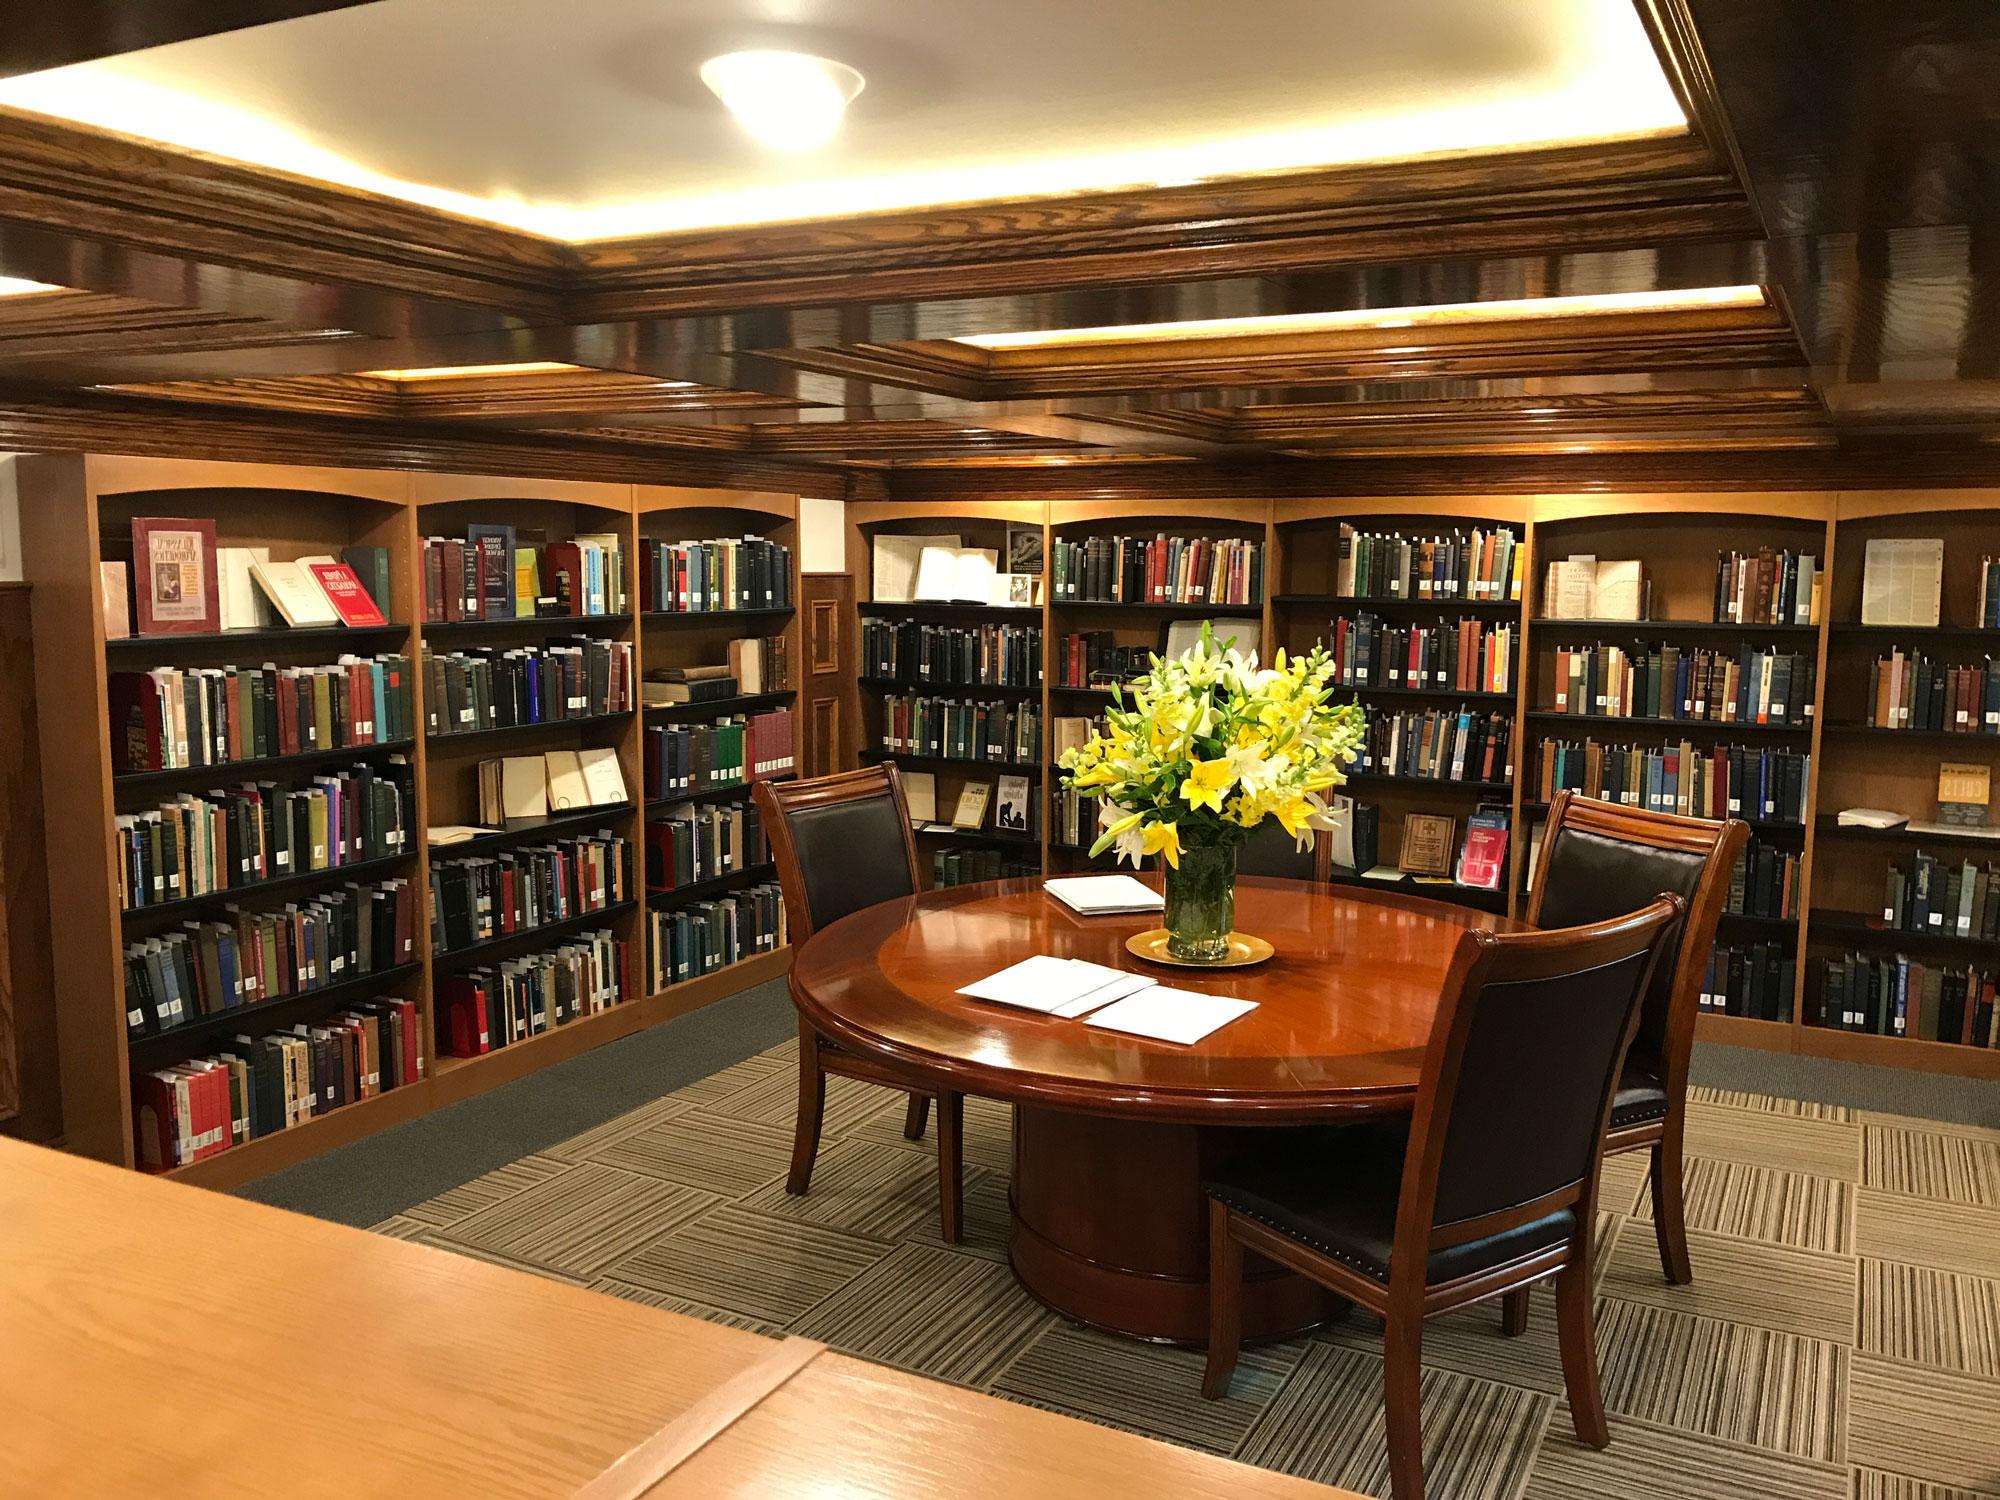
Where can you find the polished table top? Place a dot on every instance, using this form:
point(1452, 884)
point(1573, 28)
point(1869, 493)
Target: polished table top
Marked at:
point(1343, 1009)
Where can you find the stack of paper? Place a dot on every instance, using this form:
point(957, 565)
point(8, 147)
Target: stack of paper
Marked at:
point(1871, 817)
point(1171, 1015)
point(1102, 895)
point(1056, 986)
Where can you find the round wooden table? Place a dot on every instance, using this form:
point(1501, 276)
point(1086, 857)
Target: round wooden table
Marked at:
point(1113, 1133)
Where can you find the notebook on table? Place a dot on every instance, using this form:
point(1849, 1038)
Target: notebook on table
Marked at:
point(1104, 895)
point(1056, 986)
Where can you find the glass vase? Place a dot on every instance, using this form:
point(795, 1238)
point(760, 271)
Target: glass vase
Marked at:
point(1201, 904)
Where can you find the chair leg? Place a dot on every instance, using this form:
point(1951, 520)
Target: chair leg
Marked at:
point(1514, 1313)
point(1669, 1209)
point(951, 1166)
point(914, 1116)
point(812, 1108)
point(1579, 1343)
point(1225, 1303)
point(1403, 1400)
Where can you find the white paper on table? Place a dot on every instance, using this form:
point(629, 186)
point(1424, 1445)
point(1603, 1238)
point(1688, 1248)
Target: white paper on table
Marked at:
point(1171, 1015)
point(1104, 895)
point(1054, 985)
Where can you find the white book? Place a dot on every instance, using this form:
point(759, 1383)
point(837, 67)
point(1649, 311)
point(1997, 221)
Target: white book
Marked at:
point(1055, 986)
point(566, 790)
point(894, 577)
point(294, 593)
point(920, 792)
point(603, 778)
point(1870, 817)
point(239, 604)
point(956, 575)
point(1166, 1015)
point(1901, 581)
point(1101, 895)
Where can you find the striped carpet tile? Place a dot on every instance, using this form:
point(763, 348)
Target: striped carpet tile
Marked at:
point(756, 1265)
point(1925, 1423)
point(876, 1191)
point(1762, 1203)
point(1931, 1164)
point(1327, 1424)
point(583, 1147)
point(1149, 1388)
point(1817, 1147)
point(773, 1100)
point(631, 1291)
point(933, 1311)
point(580, 1220)
point(1740, 1281)
point(1873, 1484)
point(1931, 1317)
point(1800, 1109)
point(494, 1187)
point(698, 1149)
point(1647, 1461)
point(1927, 1232)
point(1747, 1385)
point(737, 1077)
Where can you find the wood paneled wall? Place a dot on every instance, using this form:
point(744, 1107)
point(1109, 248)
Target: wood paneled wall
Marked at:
point(828, 674)
point(30, 1090)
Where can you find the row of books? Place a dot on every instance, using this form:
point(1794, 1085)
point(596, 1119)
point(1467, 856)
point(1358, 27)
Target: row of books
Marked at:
point(1438, 745)
point(918, 654)
point(969, 866)
point(206, 968)
point(467, 691)
point(556, 781)
point(1765, 881)
point(1943, 897)
point(182, 583)
point(485, 1009)
point(1911, 691)
point(1899, 996)
point(1767, 587)
point(1159, 569)
point(1477, 564)
point(1072, 818)
point(1473, 656)
point(1714, 781)
point(692, 842)
point(476, 900)
point(205, 843)
point(729, 573)
point(679, 758)
point(705, 936)
point(1989, 593)
point(1754, 980)
point(1093, 658)
point(492, 575)
point(755, 665)
point(257, 1086)
point(171, 718)
point(961, 728)
point(1672, 682)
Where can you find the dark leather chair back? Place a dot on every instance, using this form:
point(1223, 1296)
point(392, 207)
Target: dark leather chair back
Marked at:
point(840, 842)
point(1521, 1068)
point(1269, 850)
point(1600, 859)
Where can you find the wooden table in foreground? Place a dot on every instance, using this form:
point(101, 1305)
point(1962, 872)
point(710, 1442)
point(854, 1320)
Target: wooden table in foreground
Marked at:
point(162, 1341)
point(1112, 1133)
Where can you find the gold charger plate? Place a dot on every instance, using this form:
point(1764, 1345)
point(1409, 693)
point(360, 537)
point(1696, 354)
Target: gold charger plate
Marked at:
point(1244, 950)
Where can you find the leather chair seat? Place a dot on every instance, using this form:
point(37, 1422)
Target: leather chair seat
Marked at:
point(1641, 1096)
point(1335, 1188)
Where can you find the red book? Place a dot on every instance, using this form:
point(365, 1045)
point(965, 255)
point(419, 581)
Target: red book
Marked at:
point(344, 591)
point(173, 573)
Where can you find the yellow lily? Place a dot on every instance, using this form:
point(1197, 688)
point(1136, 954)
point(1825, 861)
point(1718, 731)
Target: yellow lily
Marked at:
point(1164, 838)
point(1206, 781)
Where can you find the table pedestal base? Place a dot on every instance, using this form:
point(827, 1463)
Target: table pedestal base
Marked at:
point(1111, 1228)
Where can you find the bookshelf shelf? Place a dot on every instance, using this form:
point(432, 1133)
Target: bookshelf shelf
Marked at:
point(527, 940)
point(1858, 930)
point(1458, 694)
point(255, 893)
point(1889, 635)
point(533, 830)
point(269, 768)
point(947, 763)
point(1956, 1058)
point(1456, 788)
point(743, 703)
point(507, 734)
point(263, 1015)
point(524, 627)
point(268, 1153)
point(1728, 727)
point(953, 689)
point(1969, 739)
point(666, 616)
point(1254, 607)
point(981, 835)
point(1748, 924)
point(1498, 609)
point(1553, 625)
point(1830, 826)
point(1410, 885)
point(943, 610)
point(727, 793)
point(713, 885)
point(132, 650)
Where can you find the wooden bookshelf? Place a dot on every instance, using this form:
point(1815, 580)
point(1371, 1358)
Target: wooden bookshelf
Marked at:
point(687, 638)
point(78, 508)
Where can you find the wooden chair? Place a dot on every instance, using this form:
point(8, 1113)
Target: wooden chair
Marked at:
point(1599, 859)
point(1491, 1185)
point(841, 843)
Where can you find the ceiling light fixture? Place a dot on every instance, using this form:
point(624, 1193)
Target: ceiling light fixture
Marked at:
point(1500, 309)
point(788, 101)
point(450, 372)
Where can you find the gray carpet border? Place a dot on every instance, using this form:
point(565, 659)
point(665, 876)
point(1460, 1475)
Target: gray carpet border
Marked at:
point(372, 1179)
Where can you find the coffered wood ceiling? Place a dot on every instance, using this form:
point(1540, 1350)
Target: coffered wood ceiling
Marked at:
point(1839, 154)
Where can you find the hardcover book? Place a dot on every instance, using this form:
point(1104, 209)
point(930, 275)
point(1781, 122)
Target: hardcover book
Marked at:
point(347, 594)
point(295, 593)
point(173, 564)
